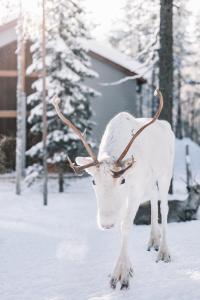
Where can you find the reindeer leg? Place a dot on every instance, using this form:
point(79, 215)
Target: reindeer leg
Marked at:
point(154, 240)
point(163, 253)
point(123, 270)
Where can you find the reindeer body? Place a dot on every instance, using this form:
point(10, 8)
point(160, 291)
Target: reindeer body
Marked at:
point(125, 177)
point(153, 150)
point(148, 179)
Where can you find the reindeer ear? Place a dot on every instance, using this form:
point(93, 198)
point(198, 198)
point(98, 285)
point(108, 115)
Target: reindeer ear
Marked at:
point(82, 161)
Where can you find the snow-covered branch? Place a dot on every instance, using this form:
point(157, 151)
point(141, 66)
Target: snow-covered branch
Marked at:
point(151, 45)
point(133, 77)
point(127, 78)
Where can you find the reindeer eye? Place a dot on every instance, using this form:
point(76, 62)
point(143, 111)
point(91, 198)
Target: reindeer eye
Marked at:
point(123, 181)
point(93, 182)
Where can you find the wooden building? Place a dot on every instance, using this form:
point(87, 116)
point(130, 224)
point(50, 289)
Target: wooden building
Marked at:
point(109, 63)
point(8, 78)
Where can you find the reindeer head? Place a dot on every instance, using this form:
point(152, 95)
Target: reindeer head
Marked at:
point(110, 178)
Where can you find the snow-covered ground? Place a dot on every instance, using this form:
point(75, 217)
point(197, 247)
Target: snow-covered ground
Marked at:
point(58, 252)
point(180, 168)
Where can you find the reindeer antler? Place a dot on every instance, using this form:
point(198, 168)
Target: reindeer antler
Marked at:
point(125, 151)
point(123, 154)
point(78, 169)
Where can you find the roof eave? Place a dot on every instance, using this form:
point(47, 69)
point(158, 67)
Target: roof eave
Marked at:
point(117, 66)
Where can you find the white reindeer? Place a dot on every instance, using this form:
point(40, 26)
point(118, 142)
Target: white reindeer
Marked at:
point(131, 164)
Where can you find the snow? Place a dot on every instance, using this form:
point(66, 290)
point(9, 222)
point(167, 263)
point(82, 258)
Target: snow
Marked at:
point(194, 157)
point(180, 167)
point(8, 35)
point(58, 253)
point(114, 55)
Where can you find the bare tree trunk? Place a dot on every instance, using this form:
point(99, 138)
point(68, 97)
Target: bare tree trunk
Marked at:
point(44, 137)
point(188, 166)
point(24, 115)
point(21, 104)
point(153, 104)
point(166, 58)
point(140, 102)
point(179, 129)
point(61, 178)
point(166, 61)
point(192, 118)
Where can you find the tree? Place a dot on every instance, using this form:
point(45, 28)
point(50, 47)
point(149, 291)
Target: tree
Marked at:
point(137, 28)
point(166, 58)
point(182, 61)
point(187, 66)
point(192, 87)
point(21, 104)
point(9, 10)
point(67, 66)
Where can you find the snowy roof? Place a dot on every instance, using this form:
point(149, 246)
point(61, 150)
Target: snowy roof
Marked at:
point(8, 33)
point(103, 51)
point(112, 55)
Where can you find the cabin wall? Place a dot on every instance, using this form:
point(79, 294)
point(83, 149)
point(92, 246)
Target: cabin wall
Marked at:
point(8, 86)
point(114, 99)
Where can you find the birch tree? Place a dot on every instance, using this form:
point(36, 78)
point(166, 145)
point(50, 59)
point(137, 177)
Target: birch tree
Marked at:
point(21, 103)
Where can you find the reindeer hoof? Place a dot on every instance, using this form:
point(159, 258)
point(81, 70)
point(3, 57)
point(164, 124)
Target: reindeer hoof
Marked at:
point(155, 247)
point(124, 285)
point(113, 283)
point(154, 242)
point(121, 275)
point(163, 255)
point(131, 272)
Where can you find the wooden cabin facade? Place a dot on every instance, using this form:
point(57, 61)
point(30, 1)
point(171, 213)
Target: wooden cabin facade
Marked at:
point(108, 63)
point(8, 78)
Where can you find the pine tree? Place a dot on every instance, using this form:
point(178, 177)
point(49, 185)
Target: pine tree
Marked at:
point(137, 28)
point(67, 67)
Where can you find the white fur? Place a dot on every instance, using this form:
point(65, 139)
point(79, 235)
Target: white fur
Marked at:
point(148, 179)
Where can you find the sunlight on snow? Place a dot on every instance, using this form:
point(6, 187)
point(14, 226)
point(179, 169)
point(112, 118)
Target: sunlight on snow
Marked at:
point(104, 297)
point(194, 275)
point(72, 250)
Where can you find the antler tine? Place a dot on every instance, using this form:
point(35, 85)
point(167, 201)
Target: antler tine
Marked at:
point(56, 102)
point(117, 174)
point(79, 169)
point(123, 154)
